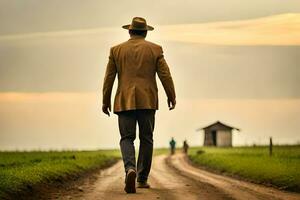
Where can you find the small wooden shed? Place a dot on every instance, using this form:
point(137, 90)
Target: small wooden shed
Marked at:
point(218, 134)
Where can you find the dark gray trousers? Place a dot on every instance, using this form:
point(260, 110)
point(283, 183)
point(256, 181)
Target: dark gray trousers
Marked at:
point(127, 126)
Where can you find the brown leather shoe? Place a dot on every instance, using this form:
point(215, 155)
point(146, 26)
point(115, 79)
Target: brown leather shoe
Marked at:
point(130, 181)
point(143, 184)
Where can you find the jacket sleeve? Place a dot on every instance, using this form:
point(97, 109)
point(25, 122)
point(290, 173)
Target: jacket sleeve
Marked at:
point(165, 77)
point(109, 78)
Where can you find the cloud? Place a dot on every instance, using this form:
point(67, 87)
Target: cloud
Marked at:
point(62, 33)
point(283, 29)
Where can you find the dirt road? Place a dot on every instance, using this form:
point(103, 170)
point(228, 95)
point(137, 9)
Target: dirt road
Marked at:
point(172, 178)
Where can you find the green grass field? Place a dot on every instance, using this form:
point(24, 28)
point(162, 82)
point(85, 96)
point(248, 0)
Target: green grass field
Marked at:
point(19, 170)
point(254, 163)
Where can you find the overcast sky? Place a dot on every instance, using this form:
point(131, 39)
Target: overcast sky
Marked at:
point(48, 15)
point(232, 60)
point(253, 58)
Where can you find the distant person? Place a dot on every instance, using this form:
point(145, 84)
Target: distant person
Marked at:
point(172, 146)
point(185, 147)
point(136, 63)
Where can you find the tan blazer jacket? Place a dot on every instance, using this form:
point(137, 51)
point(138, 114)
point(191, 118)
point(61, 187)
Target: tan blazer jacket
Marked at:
point(136, 63)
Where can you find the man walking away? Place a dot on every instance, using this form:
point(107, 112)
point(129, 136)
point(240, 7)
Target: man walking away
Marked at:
point(172, 146)
point(136, 62)
point(185, 146)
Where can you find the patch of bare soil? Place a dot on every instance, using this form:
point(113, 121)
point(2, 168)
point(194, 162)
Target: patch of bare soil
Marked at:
point(166, 183)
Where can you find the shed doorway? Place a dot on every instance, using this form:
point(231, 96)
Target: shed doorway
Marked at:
point(214, 137)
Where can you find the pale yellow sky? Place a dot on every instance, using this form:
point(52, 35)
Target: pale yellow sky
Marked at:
point(283, 29)
point(53, 15)
point(74, 60)
point(231, 61)
point(74, 121)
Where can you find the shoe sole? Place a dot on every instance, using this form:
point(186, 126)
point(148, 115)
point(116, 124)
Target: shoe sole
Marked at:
point(143, 186)
point(130, 182)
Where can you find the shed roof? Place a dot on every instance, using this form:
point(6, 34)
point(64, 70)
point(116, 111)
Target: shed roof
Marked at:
point(220, 124)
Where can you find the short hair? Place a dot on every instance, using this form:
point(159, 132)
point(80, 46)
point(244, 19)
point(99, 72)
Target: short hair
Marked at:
point(138, 32)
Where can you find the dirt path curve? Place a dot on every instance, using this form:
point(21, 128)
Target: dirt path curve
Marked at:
point(165, 182)
point(237, 189)
point(173, 178)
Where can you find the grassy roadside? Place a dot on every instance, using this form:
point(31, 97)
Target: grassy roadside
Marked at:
point(22, 170)
point(254, 163)
point(160, 151)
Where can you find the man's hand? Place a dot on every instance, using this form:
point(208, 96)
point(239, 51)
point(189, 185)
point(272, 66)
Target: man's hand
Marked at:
point(106, 109)
point(171, 104)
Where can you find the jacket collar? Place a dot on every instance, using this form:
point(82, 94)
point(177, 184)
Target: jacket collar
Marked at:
point(136, 37)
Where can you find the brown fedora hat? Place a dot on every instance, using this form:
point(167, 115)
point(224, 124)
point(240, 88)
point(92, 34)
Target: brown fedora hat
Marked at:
point(138, 23)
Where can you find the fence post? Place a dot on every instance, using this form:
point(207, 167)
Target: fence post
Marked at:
point(271, 147)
